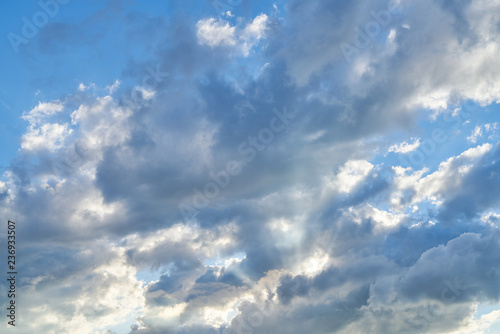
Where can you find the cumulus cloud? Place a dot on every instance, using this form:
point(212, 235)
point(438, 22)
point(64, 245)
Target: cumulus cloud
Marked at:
point(321, 230)
point(89, 289)
point(216, 32)
point(47, 136)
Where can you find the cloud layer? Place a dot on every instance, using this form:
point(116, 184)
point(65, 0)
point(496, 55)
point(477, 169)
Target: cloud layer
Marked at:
point(316, 166)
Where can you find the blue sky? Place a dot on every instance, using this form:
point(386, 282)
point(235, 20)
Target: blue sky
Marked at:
point(237, 166)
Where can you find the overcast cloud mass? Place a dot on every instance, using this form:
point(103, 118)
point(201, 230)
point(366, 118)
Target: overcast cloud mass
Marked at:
point(247, 166)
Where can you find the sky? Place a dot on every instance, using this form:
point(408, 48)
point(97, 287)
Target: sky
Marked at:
point(246, 166)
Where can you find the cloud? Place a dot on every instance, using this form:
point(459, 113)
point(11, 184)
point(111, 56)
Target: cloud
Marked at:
point(405, 147)
point(42, 111)
point(89, 289)
point(437, 186)
point(479, 130)
point(219, 33)
point(214, 32)
point(112, 88)
point(47, 136)
point(351, 174)
point(321, 231)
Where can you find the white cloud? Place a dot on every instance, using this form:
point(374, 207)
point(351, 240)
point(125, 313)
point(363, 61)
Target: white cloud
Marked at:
point(405, 147)
point(214, 32)
point(351, 175)
point(253, 32)
point(476, 133)
point(112, 88)
point(102, 295)
point(146, 94)
point(102, 123)
point(383, 220)
point(492, 219)
point(480, 130)
point(45, 137)
point(436, 186)
point(42, 111)
point(205, 243)
point(218, 33)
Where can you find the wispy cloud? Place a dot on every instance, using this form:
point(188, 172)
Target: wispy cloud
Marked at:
point(405, 147)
